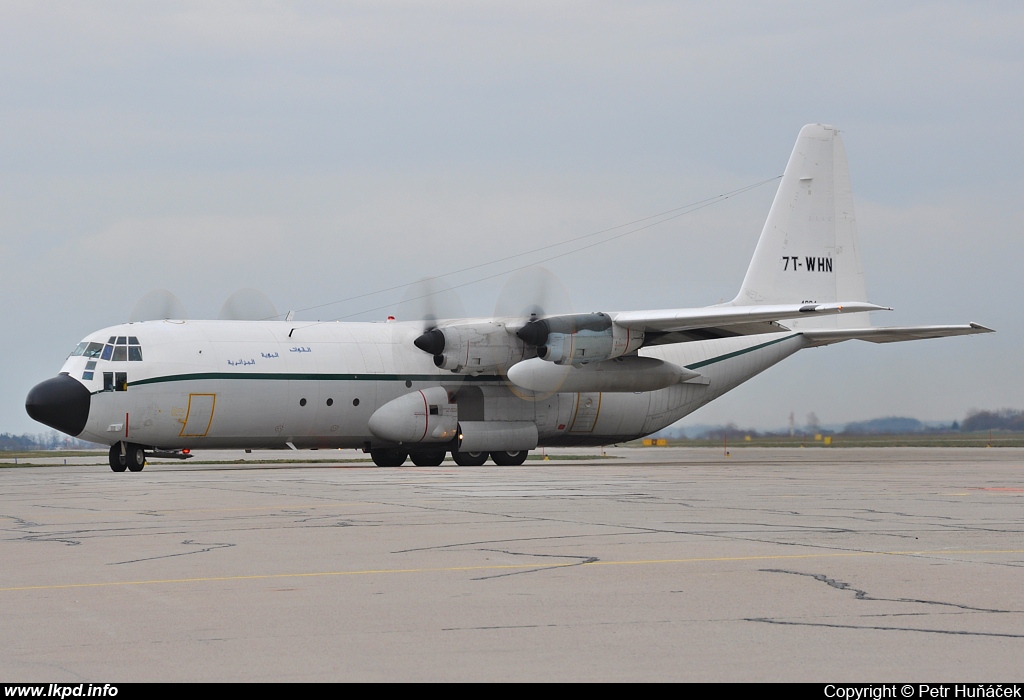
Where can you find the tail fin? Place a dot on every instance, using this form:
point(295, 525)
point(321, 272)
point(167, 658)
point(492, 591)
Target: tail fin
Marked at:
point(808, 250)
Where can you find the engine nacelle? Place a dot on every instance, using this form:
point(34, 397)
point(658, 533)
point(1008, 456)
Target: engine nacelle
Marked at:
point(420, 416)
point(580, 338)
point(472, 347)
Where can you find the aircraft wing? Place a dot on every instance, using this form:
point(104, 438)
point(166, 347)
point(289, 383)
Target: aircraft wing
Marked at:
point(890, 335)
point(664, 326)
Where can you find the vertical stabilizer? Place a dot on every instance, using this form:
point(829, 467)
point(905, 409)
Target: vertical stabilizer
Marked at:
point(808, 250)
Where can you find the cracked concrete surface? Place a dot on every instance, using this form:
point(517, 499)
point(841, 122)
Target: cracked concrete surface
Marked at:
point(665, 564)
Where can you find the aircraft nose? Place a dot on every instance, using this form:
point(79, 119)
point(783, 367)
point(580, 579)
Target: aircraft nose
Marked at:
point(61, 403)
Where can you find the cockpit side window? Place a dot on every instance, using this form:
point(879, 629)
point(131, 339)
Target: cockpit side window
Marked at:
point(107, 350)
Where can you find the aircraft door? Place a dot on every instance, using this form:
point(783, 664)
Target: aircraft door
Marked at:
point(470, 401)
point(588, 408)
point(199, 416)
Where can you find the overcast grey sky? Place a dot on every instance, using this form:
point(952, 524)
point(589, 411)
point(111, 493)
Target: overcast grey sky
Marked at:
point(319, 150)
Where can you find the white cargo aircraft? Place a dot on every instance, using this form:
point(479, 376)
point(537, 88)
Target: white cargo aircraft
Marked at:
point(479, 387)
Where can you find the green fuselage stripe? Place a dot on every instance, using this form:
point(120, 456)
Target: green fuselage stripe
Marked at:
point(729, 355)
point(371, 377)
point(314, 377)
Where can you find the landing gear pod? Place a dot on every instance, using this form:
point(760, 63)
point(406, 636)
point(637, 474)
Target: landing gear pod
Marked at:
point(421, 416)
point(497, 436)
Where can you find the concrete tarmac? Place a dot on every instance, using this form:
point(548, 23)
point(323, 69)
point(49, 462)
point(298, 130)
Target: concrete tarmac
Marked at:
point(829, 565)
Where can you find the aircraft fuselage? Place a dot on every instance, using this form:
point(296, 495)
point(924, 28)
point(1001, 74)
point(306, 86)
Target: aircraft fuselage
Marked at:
point(255, 384)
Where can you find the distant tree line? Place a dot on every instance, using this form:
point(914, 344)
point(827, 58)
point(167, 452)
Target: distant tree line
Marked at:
point(884, 426)
point(41, 441)
point(1003, 419)
point(976, 421)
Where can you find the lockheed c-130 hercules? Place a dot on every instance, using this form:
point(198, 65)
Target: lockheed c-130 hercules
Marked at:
point(479, 387)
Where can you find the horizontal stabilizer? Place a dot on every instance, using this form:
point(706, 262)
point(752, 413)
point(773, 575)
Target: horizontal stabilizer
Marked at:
point(827, 336)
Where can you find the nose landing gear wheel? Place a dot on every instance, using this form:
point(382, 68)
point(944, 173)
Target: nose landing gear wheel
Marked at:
point(469, 459)
point(136, 458)
point(509, 459)
point(117, 462)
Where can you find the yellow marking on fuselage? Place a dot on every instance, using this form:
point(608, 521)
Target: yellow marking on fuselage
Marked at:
point(213, 407)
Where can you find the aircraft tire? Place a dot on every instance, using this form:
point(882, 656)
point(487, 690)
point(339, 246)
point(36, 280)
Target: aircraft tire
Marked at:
point(388, 456)
point(136, 458)
point(509, 459)
point(469, 459)
point(427, 458)
point(117, 462)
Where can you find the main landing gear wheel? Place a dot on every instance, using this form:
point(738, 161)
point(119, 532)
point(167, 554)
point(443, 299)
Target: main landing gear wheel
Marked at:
point(388, 456)
point(427, 458)
point(469, 459)
point(118, 463)
point(509, 459)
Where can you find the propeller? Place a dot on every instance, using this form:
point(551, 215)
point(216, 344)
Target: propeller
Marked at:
point(525, 299)
point(529, 295)
point(429, 300)
point(158, 305)
point(247, 305)
point(532, 292)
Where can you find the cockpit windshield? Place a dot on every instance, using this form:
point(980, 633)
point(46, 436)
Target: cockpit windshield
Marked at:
point(117, 349)
point(88, 349)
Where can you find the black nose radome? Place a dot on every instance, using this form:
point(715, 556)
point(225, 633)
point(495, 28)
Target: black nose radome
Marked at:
point(61, 403)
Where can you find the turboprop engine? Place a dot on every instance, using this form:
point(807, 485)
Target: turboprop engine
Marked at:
point(472, 347)
point(580, 338)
